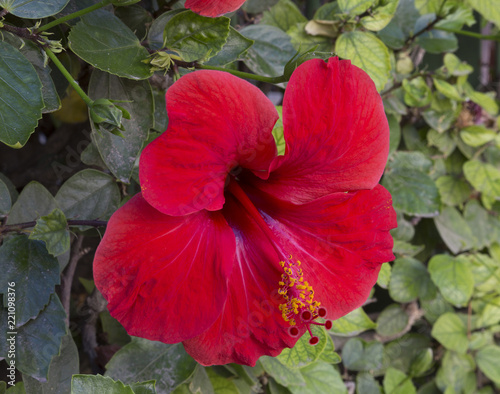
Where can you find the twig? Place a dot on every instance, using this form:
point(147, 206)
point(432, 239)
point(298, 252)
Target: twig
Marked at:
point(69, 273)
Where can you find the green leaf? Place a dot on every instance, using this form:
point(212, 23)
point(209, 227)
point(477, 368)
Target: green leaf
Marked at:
point(487, 361)
point(417, 93)
point(234, 49)
point(33, 9)
point(485, 229)
point(221, 384)
point(402, 352)
point(22, 102)
point(366, 384)
point(487, 8)
point(38, 341)
point(270, 52)
point(455, 66)
point(395, 130)
point(141, 359)
point(422, 362)
point(84, 384)
point(384, 276)
point(120, 153)
point(155, 34)
point(303, 353)
point(353, 323)
point(89, 194)
point(320, 377)
point(484, 177)
point(367, 52)
point(284, 375)
point(301, 39)
point(33, 202)
point(34, 272)
point(451, 332)
point(104, 41)
point(447, 89)
point(477, 135)
point(257, 6)
point(329, 355)
point(453, 190)
point(5, 199)
point(283, 15)
point(410, 280)
point(434, 41)
point(397, 382)
point(453, 277)
point(454, 370)
point(61, 369)
point(405, 249)
point(359, 355)
point(443, 141)
point(391, 321)
point(454, 230)
point(381, 16)
point(136, 18)
point(278, 132)
point(195, 37)
point(32, 52)
point(115, 333)
point(200, 382)
point(53, 230)
point(413, 192)
point(355, 7)
point(435, 307)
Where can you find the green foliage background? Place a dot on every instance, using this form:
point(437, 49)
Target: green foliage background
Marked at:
point(432, 323)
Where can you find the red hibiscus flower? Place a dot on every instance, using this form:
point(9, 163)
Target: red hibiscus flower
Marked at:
point(213, 8)
point(234, 250)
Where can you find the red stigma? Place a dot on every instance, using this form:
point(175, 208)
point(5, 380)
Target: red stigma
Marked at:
point(313, 341)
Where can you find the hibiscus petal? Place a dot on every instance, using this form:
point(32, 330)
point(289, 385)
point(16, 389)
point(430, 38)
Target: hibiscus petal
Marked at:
point(250, 324)
point(165, 277)
point(336, 132)
point(213, 8)
point(341, 241)
point(216, 123)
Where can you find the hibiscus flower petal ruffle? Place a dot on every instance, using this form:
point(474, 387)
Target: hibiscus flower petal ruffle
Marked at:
point(336, 133)
point(341, 240)
point(213, 8)
point(250, 324)
point(217, 122)
point(154, 269)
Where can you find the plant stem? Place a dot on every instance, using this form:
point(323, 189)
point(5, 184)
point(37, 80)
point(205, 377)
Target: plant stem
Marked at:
point(69, 77)
point(3, 12)
point(470, 34)
point(242, 74)
point(74, 15)
point(19, 226)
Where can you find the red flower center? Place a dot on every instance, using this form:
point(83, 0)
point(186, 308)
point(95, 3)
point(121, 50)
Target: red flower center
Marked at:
point(299, 307)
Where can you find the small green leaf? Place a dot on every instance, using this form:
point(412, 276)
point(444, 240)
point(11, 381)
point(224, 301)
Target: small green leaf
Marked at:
point(380, 16)
point(484, 177)
point(33, 202)
point(320, 377)
point(270, 52)
point(451, 332)
point(413, 192)
point(136, 18)
point(53, 230)
point(359, 355)
point(329, 355)
point(355, 7)
point(392, 320)
point(220, 384)
point(397, 382)
point(22, 102)
point(410, 280)
point(455, 66)
point(89, 194)
point(384, 276)
point(454, 370)
point(195, 37)
point(353, 323)
point(417, 93)
point(234, 49)
point(141, 360)
point(454, 230)
point(487, 8)
point(278, 132)
point(421, 363)
point(477, 135)
point(453, 190)
point(487, 361)
point(367, 52)
point(33, 9)
point(447, 89)
point(453, 277)
point(366, 384)
point(34, 272)
point(281, 373)
point(104, 41)
point(303, 353)
point(283, 15)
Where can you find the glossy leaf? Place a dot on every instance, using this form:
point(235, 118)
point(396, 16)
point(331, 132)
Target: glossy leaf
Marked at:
point(35, 273)
point(353, 323)
point(234, 49)
point(22, 102)
point(451, 332)
point(33, 202)
point(303, 353)
point(52, 229)
point(284, 15)
point(284, 375)
point(410, 280)
point(320, 377)
point(104, 41)
point(33, 9)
